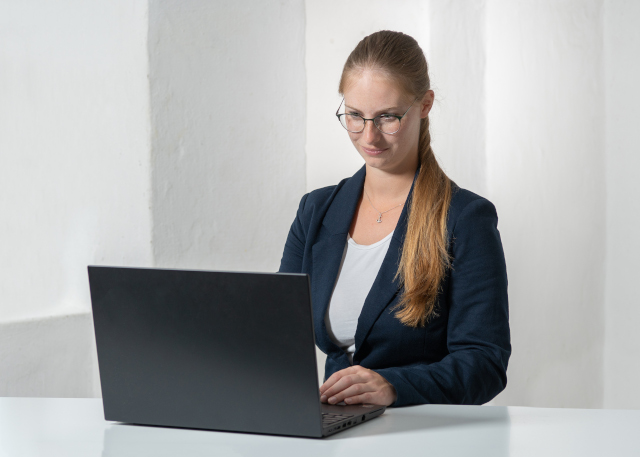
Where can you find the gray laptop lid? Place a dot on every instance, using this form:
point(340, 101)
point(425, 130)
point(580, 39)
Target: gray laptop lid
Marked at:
point(210, 350)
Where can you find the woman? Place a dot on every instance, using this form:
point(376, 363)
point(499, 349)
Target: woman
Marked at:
point(408, 279)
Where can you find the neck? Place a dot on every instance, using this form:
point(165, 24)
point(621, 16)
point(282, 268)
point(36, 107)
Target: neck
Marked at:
point(386, 186)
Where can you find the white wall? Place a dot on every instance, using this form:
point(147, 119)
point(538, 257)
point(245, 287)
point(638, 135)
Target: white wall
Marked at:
point(228, 130)
point(53, 356)
point(545, 145)
point(74, 149)
point(622, 315)
point(164, 133)
point(457, 65)
point(74, 180)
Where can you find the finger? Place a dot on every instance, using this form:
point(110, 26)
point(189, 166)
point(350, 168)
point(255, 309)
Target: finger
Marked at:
point(335, 377)
point(351, 391)
point(339, 385)
point(328, 384)
point(344, 383)
point(367, 397)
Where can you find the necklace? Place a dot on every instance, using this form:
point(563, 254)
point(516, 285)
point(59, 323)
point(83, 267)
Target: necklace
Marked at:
point(379, 213)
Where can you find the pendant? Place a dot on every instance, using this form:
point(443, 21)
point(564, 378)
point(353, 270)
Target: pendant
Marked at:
point(379, 219)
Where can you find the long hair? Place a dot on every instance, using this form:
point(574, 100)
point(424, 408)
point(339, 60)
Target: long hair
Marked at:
point(425, 255)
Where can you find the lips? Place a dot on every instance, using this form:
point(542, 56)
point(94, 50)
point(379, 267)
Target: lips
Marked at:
point(373, 152)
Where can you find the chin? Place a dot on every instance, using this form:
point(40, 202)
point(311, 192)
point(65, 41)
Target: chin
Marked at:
point(385, 165)
point(377, 162)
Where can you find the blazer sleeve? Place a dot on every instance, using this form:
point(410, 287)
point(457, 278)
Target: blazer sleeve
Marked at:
point(478, 336)
point(293, 254)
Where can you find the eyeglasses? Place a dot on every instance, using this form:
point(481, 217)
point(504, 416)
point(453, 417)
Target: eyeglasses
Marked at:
point(386, 123)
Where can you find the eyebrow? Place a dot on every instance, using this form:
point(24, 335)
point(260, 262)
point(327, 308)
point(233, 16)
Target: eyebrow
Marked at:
point(386, 110)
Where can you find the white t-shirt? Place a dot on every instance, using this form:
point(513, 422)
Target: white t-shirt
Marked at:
point(358, 270)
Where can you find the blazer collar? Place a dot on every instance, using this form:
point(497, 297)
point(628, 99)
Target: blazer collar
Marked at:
point(327, 255)
point(340, 214)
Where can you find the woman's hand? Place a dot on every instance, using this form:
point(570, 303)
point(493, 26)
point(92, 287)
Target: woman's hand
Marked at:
point(355, 385)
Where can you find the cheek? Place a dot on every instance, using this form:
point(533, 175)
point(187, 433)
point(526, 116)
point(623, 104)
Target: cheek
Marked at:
point(354, 137)
point(402, 143)
point(411, 136)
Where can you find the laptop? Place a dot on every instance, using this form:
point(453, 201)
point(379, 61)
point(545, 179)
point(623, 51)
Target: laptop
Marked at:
point(212, 350)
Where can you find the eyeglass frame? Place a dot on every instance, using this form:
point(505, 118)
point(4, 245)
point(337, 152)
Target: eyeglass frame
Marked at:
point(373, 119)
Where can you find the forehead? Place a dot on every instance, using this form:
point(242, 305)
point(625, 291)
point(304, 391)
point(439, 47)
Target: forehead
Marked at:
point(373, 90)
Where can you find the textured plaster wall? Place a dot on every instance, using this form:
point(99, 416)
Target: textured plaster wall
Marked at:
point(545, 173)
point(51, 356)
point(457, 63)
point(74, 149)
point(228, 130)
point(188, 152)
point(137, 133)
point(74, 180)
point(622, 73)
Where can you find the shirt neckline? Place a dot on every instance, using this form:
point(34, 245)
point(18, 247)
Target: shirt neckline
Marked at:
point(369, 246)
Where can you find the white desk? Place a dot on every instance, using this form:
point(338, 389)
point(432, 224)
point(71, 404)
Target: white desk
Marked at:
point(75, 427)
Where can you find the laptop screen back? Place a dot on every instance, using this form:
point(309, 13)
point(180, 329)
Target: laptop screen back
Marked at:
point(202, 349)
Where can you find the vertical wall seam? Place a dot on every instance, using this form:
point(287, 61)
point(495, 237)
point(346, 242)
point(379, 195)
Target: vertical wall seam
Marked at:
point(149, 133)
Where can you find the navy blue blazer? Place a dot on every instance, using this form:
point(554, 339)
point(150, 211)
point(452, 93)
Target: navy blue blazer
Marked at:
point(461, 355)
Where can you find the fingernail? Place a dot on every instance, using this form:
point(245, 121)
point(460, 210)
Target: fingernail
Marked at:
point(323, 398)
point(347, 400)
point(332, 400)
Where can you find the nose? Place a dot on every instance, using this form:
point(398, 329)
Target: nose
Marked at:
point(370, 131)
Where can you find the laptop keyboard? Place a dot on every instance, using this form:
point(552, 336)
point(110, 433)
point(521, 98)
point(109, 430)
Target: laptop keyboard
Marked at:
point(330, 418)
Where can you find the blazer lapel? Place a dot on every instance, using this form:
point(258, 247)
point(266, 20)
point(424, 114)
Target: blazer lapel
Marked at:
point(327, 253)
point(327, 256)
point(385, 287)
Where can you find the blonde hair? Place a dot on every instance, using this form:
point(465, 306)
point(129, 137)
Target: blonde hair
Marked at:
point(425, 256)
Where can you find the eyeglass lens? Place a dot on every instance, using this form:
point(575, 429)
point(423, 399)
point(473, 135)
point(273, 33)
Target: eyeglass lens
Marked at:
point(355, 123)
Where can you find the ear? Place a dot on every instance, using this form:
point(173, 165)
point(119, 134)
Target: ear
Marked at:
point(426, 103)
